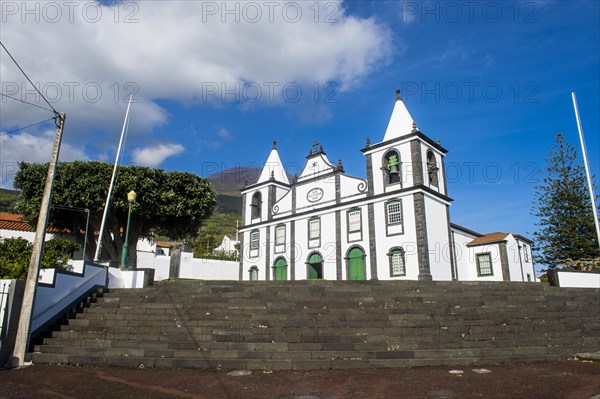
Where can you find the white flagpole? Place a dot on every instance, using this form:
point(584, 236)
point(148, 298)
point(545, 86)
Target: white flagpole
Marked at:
point(110, 187)
point(587, 167)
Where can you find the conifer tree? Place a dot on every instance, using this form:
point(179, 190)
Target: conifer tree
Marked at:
point(566, 234)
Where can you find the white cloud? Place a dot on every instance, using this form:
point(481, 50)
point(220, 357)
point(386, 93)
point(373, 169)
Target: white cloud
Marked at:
point(224, 134)
point(177, 50)
point(155, 155)
point(33, 149)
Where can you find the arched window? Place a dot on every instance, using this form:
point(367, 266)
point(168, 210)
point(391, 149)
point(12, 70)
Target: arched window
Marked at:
point(392, 171)
point(432, 168)
point(256, 205)
point(397, 262)
point(253, 273)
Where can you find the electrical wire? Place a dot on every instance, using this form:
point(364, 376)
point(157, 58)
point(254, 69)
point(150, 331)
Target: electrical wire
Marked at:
point(24, 74)
point(25, 127)
point(25, 102)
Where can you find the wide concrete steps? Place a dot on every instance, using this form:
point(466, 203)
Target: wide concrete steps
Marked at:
point(324, 324)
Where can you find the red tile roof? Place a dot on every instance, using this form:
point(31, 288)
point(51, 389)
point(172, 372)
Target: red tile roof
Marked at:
point(489, 238)
point(11, 221)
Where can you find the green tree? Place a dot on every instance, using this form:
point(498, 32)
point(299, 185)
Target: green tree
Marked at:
point(565, 234)
point(15, 254)
point(171, 204)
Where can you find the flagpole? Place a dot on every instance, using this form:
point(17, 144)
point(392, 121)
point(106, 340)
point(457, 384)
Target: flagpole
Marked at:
point(110, 187)
point(587, 167)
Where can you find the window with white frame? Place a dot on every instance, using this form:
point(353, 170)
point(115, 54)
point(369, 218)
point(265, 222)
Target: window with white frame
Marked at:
point(280, 234)
point(254, 239)
point(525, 252)
point(314, 228)
point(397, 265)
point(354, 222)
point(394, 212)
point(484, 264)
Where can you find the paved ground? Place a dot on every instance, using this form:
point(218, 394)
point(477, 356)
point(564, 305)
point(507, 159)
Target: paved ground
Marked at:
point(548, 380)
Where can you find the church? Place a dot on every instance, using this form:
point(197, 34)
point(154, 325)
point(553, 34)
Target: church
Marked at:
point(393, 225)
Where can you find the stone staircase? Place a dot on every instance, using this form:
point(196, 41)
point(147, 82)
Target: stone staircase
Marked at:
point(309, 325)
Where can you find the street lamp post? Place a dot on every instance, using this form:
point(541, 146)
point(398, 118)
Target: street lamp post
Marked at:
point(131, 199)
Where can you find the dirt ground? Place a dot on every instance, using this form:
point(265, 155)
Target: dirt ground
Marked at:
point(548, 380)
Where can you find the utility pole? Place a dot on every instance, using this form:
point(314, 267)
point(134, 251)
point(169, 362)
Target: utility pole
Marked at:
point(22, 342)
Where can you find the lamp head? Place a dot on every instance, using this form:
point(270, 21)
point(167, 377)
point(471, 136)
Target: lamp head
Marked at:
point(131, 196)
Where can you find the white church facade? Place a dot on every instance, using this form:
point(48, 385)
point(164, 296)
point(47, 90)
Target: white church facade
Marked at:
point(395, 224)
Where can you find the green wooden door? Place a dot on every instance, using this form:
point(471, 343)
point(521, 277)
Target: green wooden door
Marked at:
point(315, 266)
point(280, 270)
point(356, 265)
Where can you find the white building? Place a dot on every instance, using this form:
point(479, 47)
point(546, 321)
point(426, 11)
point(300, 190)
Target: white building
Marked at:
point(227, 246)
point(393, 225)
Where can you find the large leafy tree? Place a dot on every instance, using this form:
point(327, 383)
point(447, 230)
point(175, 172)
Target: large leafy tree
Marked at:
point(566, 234)
point(171, 204)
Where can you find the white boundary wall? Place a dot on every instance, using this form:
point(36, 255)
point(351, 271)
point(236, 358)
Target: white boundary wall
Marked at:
point(207, 269)
point(55, 291)
point(578, 280)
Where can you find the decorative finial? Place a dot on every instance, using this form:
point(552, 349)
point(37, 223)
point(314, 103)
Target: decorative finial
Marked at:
point(398, 96)
point(320, 148)
point(414, 127)
point(438, 141)
point(310, 152)
point(272, 175)
point(339, 161)
point(274, 145)
point(295, 178)
point(368, 144)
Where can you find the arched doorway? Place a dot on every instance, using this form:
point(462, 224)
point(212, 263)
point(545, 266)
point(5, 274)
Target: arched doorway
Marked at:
point(356, 264)
point(315, 266)
point(280, 270)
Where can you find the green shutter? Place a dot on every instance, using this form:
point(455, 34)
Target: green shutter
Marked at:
point(280, 270)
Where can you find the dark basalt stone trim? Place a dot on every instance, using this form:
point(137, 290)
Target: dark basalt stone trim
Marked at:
point(271, 202)
point(292, 250)
point(338, 244)
point(370, 181)
point(421, 233)
point(417, 162)
point(504, 261)
point(338, 194)
point(372, 241)
point(268, 253)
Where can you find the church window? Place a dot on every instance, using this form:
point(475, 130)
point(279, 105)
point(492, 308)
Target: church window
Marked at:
point(391, 167)
point(253, 273)
point(394, 212)
point(354, 222)
point(397, 264)
point(484, 265)
point(280, 234)
point(432, 169)
point(525, 253)
point(256, 205)
point(314, 228)
point(254, 239)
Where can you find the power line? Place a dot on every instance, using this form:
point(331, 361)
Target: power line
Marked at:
point(25, 127)
point(24, 74)
point(25, 102)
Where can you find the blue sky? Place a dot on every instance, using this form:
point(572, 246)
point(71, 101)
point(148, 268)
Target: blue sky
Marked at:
point(216, 83)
